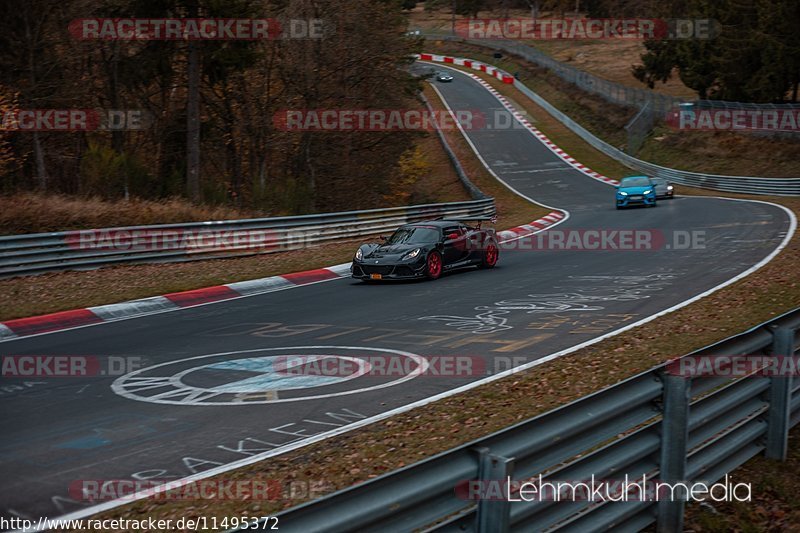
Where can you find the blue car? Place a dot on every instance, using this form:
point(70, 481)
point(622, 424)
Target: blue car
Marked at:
point(636, 190)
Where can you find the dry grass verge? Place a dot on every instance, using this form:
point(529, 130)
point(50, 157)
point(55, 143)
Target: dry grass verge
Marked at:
point(28, 212)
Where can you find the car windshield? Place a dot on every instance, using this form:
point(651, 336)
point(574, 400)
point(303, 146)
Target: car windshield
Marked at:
point(414, 235)
point(638, 181)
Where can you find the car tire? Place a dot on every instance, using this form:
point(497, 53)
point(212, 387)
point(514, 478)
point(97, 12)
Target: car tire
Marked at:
point(433, 265)
point(490, 256)
point(619, 207)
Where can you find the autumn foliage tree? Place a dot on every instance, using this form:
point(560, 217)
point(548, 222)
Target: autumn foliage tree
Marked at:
point(232, 88)
point(754, 58)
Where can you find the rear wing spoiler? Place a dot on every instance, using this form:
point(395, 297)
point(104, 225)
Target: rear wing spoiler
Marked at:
point(479, 220)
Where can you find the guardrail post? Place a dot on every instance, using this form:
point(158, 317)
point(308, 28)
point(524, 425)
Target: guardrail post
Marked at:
point(780, 397)
point(674, 443)
point(493, 512)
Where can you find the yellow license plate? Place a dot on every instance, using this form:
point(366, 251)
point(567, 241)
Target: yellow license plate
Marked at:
point(375, 276)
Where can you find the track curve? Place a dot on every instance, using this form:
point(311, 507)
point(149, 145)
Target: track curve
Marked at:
point(534, 303)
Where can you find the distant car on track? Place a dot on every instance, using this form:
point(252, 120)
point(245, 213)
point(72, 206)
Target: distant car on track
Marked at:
point(663, 188)
point(426, 250)
point(444, 77)
point(635, 190)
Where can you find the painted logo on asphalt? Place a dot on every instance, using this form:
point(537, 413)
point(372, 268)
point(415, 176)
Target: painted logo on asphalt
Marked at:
point(266, 375)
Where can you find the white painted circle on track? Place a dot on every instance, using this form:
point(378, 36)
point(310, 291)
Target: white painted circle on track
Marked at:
point(269, 378)
point(261, 382)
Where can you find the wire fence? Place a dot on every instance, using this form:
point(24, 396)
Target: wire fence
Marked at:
point(639, 128)
point(661, 106)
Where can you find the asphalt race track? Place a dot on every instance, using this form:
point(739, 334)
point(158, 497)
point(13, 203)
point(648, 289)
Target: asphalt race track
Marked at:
point(150, 424)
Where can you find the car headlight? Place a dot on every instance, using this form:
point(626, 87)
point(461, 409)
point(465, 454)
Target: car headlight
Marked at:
point(412, 254)
point(669, 187)
point(648, 191)
point(622, 193)
point(359, 255)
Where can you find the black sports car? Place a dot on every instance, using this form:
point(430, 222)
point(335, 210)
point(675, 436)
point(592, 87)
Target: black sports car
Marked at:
point(425, 250)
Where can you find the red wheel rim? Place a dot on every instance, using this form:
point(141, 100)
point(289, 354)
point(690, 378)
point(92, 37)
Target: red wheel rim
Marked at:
point(434, 265)
point(491, 254)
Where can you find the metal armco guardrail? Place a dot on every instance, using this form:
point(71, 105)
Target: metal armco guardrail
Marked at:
point(86, 249)
point(660, 423)
point(740, 184)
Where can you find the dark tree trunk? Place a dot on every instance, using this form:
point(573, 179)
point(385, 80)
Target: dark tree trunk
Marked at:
point(193, 119)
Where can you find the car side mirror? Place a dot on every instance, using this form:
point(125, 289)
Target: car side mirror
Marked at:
point(616, 187)
point(452, 237)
